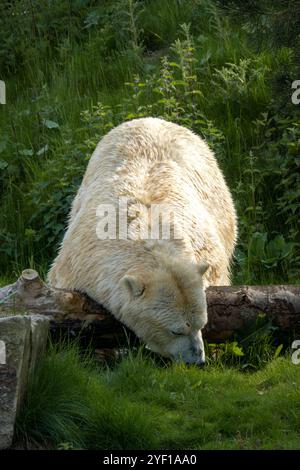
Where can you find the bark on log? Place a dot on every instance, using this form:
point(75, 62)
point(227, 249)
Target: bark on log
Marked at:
point(230, 309)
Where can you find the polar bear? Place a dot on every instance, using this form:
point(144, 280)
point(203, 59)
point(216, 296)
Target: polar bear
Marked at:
point(115, 250)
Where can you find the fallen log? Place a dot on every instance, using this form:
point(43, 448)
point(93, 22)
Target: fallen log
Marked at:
point(230, 309)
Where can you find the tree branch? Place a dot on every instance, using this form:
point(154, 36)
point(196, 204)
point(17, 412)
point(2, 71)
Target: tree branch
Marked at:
point(230, 309)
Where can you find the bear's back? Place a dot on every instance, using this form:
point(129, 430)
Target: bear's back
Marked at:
point(150, 153)
point(148, 141)
point(149, 161)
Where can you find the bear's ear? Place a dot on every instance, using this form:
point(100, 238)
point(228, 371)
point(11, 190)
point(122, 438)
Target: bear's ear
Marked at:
point(134, 285)
point(202, 267)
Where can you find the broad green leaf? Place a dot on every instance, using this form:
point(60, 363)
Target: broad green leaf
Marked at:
point(3, 164)
point(43, 150)
point(26, 152)
point(50, 124)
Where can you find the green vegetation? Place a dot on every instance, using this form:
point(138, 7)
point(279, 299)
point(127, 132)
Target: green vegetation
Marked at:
point(75, 69)
point(72, 403)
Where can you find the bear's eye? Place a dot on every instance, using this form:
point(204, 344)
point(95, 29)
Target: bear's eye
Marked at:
point(176, 333)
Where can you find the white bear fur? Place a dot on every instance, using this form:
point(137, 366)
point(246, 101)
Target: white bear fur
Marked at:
point(156, 287)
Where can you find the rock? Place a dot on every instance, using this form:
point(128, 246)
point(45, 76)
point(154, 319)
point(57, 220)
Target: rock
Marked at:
point(39, 334)
point(15, 334)
point(23, 339)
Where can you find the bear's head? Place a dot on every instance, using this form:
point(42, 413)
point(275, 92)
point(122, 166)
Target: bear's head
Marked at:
point(167, 309)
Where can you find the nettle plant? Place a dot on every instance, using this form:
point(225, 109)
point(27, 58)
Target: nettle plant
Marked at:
point(268, 199)
point(172, 93)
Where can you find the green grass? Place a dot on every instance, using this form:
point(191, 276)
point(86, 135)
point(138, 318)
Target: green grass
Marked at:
point(4, 280)
point(138, 404)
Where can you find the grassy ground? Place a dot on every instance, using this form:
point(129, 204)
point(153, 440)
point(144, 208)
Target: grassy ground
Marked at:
point(139, 404)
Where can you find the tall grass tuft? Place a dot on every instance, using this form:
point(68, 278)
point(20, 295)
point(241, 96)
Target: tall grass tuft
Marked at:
point(138, 404)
